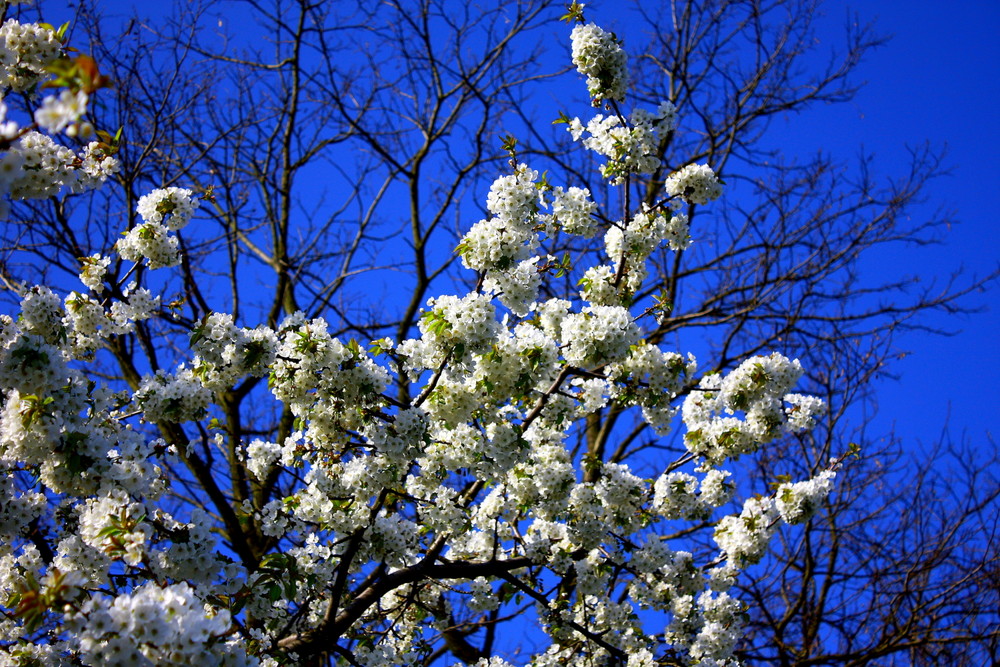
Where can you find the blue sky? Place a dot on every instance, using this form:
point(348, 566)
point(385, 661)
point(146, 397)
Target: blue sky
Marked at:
point(935, 80)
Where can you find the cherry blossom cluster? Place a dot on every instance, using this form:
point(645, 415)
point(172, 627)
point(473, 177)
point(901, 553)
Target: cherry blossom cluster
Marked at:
point(225, 353)
point(695, 184)
point(32, 164)
point(735, 414)
point(154, 626)
point(599, 56)
point(175, 206)
point(25, 51)
point(630, 148)
point(457, 448)
point(58, 113)
point(629, 246)
point(152, 241)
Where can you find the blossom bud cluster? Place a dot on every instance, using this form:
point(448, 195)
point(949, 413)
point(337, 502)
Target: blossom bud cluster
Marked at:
point(150, 242)
point(40, 167)
point(128, 534)
point(96, 165)
point(86, 323)
point(457, 327)
point(744, 538)
point(516, 288)
point(720, 629)
point(803, 412)
point(19, 508)
point(172, 397)
point(508, 236)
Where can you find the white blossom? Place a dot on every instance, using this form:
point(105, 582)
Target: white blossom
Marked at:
point(171, 206)
point(598, 55)
point(57, 113)
point(695, 184)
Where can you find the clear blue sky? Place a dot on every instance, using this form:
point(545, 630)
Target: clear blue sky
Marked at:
point(936, 80)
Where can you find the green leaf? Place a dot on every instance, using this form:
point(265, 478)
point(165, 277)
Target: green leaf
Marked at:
point(509, 143)
point(574, 13)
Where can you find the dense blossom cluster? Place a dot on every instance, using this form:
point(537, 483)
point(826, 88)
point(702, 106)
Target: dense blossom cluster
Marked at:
point(25, 51)
point(45, 167)
point(154, 626)
point(599, 56)
point(695, 184)
point(796, 503)
point(630, 148)
point(757, 389)
point(508, 236)
point(451, 452)
point(92, 272)
point(573, 211)
point(152, 240)
point(173, 205)
point(32, 164)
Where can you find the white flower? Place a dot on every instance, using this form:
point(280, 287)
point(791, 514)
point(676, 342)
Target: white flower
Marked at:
point(695, 184)
point(173, 205)
point(151, 242)
point(798, 502)
point(57, 113)
point(92, 272)
point(599, 56)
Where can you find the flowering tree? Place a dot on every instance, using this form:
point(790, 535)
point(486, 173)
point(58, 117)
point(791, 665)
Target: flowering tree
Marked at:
point(337, 485)
point(418, 478)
